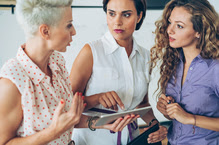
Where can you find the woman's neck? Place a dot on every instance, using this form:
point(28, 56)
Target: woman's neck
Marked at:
point(190, 54)
point(37, 51)
point(127, 44)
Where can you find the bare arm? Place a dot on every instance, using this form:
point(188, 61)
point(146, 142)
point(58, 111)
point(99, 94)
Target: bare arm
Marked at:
point(80, 74)
point(175, 111)
point(11, 117)
point(207, 122)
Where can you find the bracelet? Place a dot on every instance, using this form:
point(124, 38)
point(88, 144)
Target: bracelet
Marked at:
point(194, 124)
point(91, 121)
point(152, 122)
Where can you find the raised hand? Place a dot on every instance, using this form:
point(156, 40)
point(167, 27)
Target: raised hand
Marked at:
point(63, 121)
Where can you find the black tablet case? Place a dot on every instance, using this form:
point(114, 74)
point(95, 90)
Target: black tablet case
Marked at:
point(142, 138)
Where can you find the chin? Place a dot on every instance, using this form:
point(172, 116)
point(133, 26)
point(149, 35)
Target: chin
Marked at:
point(117, 37)
point(174, 46)
point(63, 50)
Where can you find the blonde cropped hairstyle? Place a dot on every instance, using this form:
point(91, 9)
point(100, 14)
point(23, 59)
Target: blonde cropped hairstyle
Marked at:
point(31, 14)
point(205, 21)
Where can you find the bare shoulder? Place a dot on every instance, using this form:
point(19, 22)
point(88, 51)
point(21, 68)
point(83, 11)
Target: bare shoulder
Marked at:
point(9, 93)
point(81, 69)
point(86, 51)
point(84, 60)
point(11, 111)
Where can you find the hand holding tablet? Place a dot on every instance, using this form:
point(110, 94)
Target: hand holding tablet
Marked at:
point(108, 118)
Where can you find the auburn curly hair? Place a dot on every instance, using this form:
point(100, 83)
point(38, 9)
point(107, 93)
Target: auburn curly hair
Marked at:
point(205, 21)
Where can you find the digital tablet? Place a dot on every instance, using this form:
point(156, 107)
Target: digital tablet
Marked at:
point(108, 118)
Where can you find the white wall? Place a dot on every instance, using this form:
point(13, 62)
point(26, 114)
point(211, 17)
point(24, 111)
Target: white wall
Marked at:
point(90, 24)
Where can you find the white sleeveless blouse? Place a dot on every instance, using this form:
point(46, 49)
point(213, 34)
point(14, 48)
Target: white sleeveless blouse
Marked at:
point(38, 97)
point(113, 70)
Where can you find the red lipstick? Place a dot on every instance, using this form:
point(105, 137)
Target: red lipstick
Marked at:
point(171, 39)
point(118, 30)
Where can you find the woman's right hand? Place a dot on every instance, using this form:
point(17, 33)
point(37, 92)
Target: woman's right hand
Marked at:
point(62, 121)
point(119, 124)
point(163, 102)
point(110, 100)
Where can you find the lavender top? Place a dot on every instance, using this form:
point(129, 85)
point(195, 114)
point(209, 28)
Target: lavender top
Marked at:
point(199, 95)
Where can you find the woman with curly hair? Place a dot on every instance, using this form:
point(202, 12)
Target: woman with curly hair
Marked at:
point(188, 48)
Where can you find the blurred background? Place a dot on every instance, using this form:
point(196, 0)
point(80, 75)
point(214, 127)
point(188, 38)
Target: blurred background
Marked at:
point(89, 20)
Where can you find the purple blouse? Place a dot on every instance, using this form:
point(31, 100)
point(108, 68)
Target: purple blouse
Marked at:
point(199, 95)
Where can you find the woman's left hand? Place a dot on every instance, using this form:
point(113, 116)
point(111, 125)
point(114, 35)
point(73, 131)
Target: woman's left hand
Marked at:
point(175, 111)
point(157, 136)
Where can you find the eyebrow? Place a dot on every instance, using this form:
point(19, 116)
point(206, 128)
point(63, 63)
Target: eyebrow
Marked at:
point(177, 21)
point(70, 21)
point(180, 22)
point(122, 11)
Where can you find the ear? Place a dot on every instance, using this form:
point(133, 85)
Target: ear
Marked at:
point(197, 35)
point(139, 17)
point(44, 31)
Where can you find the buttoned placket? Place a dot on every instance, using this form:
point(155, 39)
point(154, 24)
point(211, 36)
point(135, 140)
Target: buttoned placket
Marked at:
point(178, 131)
point(182, 89)
point(128, 73)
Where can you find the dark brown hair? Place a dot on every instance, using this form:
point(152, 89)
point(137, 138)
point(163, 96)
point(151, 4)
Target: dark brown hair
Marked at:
point(140, 6)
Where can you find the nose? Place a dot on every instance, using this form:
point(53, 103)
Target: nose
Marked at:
point(118, 20)
point(170, 29)
point(73, 31)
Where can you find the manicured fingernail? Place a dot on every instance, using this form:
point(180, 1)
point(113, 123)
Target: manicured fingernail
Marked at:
point(62, 101)
point(80, 94)
point(82, 97)
point(121, 119)
point(149, 141)
point(85, 104)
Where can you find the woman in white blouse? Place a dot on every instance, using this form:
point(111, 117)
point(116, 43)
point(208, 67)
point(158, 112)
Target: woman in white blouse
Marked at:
point(35, 93)
point(113, 72)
